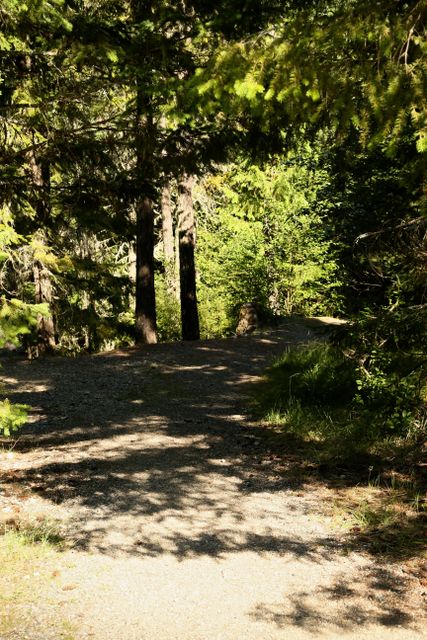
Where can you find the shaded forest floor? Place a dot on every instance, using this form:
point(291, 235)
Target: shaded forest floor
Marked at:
point(166, 514)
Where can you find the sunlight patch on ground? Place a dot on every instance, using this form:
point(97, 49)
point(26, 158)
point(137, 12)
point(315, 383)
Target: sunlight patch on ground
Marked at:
point(36, 388)
point(9, 380)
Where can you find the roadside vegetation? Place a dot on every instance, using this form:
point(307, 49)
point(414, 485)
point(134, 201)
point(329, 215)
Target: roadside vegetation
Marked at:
point(323, 409)
point(29, 560)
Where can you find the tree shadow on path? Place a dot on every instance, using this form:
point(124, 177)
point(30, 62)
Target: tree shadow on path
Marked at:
point(151, 451)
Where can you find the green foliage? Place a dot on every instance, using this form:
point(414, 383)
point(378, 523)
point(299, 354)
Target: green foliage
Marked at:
point(324, 393)
point(217, 314)
point(8, 236)
point(350, 64)
point(168, 313)
point(232, 271)
point(390, 350)
point(12, 417)
point(383, 270)
point(18, 318)
point(262, 237)
point(95, 313)
point(375, 206)
point(333, 222)
point(386, 267)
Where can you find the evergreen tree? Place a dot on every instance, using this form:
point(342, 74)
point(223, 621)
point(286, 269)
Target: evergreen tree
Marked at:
point(187, 243)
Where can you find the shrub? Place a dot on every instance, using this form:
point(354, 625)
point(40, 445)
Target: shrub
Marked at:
point(326, 393)
point(168, 313)
point(12, 416)
point(388, 350)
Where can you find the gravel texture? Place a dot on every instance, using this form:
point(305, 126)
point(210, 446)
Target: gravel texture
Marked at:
point(179, 525)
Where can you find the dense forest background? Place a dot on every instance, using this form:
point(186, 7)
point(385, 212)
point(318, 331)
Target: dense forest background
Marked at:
point(164, 163)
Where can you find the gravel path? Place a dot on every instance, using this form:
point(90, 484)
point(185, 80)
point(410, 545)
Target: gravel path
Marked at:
point(181, 527)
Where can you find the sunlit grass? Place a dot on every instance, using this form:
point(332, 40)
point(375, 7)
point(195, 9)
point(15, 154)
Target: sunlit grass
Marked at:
point(388, 515)
point(305, 405)
point(44, 533)
point(307, 393)
point(28, 550)
point(311, 392)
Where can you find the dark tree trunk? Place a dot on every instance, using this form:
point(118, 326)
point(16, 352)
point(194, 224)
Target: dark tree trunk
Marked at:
point(145, 134)
point(187, 242)
point(168, 241)
point(145, 300)
point(40, 174)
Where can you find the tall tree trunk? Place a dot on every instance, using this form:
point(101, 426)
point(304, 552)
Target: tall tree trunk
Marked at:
point(168, 240)
point(40, 173)
point(187, 242)
point(145, 133)
point(145, 300)
point(43, 294)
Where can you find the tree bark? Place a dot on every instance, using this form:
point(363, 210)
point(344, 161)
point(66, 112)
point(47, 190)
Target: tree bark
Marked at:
point(187, 242)
point(145, 300)
point(40, 173)
point(168, 241)
point(145, 134)
point(44, 294)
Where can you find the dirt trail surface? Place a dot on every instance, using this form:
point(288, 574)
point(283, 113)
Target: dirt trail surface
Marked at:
point(181, 527)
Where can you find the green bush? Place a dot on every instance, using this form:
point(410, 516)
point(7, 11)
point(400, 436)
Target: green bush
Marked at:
point(16, 320)
point(12, 416)
point(326, 393)
point(389, 349)
point(168, 313)
point(262, 237)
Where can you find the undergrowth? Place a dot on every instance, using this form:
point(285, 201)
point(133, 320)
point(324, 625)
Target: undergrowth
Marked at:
point(388, 515)
point(315, 393)
point(307, 394)
point(27, 553)
point(313, 411)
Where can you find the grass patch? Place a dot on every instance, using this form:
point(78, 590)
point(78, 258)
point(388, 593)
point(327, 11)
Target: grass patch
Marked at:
point(69, 630)
point(28, 551)
point(308, 394)
point(388, 517)
point(312, 394)
point(30, 533)
point(307, 408)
